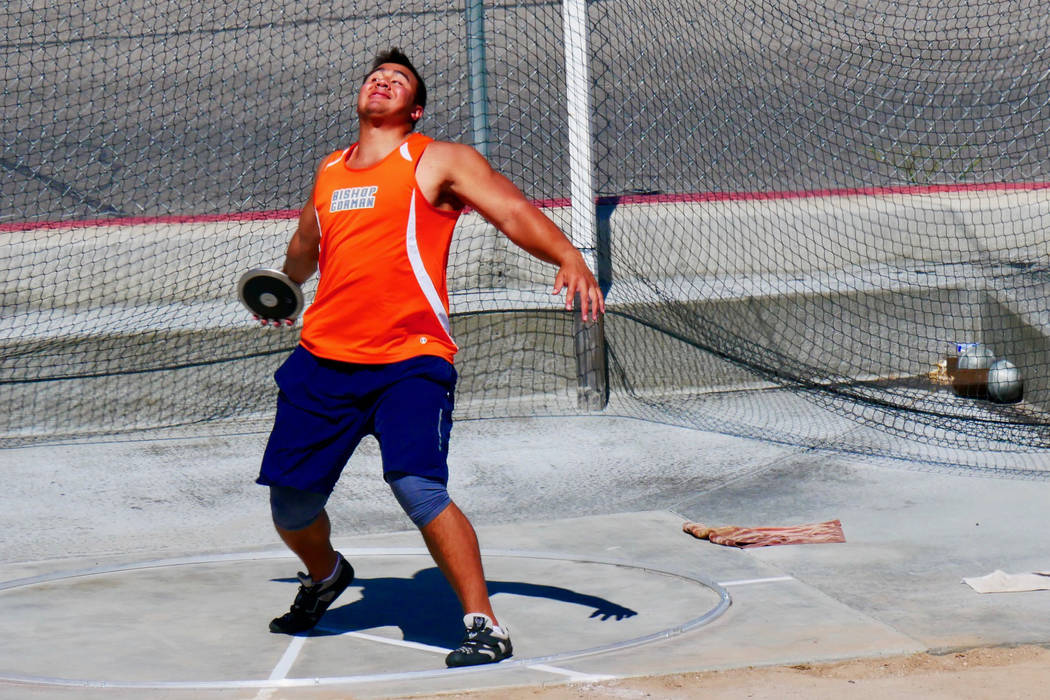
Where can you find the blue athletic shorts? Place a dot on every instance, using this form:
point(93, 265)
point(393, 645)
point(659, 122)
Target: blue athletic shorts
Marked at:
point(325, 407)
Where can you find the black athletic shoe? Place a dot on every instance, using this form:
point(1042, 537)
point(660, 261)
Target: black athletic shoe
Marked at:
point(482, 645)
point(312, 600)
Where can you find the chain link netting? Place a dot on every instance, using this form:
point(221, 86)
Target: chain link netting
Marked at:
point(821, 200)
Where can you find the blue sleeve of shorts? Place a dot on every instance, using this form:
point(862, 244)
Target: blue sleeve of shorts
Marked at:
point(422, 498)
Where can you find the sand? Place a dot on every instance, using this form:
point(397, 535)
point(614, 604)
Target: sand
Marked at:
point(975, 674)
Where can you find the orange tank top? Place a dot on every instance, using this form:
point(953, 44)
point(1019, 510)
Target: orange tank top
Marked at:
point(382, 294)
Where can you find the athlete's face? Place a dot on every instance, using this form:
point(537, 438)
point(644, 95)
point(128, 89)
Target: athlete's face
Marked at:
point(389, 90)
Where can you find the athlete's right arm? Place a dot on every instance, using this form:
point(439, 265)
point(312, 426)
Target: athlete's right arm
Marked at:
point(300, 260)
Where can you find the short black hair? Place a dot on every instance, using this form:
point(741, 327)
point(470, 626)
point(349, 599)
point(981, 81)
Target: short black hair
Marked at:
point(394, 55)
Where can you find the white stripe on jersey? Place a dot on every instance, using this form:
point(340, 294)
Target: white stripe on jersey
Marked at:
point(336, 160)
point(426, 285)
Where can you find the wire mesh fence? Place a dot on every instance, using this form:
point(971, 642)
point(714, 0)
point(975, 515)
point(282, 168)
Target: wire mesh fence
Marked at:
point(829, 199)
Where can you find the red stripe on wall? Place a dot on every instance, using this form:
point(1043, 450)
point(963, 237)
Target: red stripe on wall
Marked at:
point(684, 198)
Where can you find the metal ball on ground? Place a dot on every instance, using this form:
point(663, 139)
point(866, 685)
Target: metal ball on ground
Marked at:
point(1004, 382)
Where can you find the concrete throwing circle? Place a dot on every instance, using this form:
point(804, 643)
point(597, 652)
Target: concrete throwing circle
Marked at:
point(204, 617)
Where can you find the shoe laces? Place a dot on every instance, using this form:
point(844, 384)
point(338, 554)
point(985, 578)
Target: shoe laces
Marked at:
point(308, 591)
point(471, 640)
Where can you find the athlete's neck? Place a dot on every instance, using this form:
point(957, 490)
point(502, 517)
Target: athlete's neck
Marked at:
point(374, 143)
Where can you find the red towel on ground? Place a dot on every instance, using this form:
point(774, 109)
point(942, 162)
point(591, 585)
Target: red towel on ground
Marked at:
point(747, 537)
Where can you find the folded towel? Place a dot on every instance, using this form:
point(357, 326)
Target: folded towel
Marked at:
point(747, 537)
point(1002, 582)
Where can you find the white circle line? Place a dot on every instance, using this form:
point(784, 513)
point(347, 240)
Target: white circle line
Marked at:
point(724, 601)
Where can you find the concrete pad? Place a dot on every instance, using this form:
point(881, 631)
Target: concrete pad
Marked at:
point(192, 491)
point(199, 623)
point(912, 535)
point(176, 570)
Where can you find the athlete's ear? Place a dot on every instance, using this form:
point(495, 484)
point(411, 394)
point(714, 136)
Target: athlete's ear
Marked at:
point(417, 113)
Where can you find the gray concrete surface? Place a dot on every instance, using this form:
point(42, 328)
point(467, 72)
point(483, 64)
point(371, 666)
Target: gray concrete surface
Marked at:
point(178, 570)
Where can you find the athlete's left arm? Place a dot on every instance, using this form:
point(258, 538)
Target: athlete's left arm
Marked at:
point(470, 178)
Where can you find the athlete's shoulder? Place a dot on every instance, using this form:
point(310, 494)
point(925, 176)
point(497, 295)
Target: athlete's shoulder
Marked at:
point(446, 146)
point(334, 157)
point(451, 155)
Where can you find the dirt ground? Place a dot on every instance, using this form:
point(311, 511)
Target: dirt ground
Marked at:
point(976, 674)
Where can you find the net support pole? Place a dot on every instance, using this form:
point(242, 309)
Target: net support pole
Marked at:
point(478, 76)
point(592, 380)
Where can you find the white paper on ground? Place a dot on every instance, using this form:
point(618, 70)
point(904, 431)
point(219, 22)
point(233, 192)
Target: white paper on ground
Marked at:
point(1001, 582)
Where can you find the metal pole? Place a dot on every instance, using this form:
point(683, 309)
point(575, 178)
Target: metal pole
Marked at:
point(592, 380)
point(479, 99)
point(578, 107)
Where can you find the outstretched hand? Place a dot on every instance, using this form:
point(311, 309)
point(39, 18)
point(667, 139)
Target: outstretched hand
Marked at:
point(576, 279)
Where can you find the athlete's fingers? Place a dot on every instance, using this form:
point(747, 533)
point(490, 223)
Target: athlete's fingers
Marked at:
point(591, 299)
point(578, 290)
point(585, 300)
point(580, 283)
point(570, 293)
point(559, 284)
point(597, 301)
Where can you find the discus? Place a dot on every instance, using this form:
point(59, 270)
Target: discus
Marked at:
point(270, 294)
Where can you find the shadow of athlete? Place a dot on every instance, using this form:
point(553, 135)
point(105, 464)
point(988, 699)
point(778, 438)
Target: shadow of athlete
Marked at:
point(424, 606)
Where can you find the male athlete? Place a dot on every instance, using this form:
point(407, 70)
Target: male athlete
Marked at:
point(375, 355)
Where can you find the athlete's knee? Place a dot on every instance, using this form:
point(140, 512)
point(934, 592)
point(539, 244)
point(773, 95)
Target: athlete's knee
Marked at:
point(422, 498)
point(295, 509)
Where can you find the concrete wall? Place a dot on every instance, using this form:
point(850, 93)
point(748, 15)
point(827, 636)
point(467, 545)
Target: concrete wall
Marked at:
point(156, 263)
point(834, 287)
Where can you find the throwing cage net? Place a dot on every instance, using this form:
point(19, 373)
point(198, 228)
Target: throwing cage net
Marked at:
point(802, 213)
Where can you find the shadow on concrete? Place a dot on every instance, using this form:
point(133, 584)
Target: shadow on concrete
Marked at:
point(427, 612)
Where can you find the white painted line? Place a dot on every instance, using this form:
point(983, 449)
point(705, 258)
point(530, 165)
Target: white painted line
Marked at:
point(280, 671)
point(572, 675)
point(749, 581)
point(397, 642)
point(284, 665)
point(724, 601)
